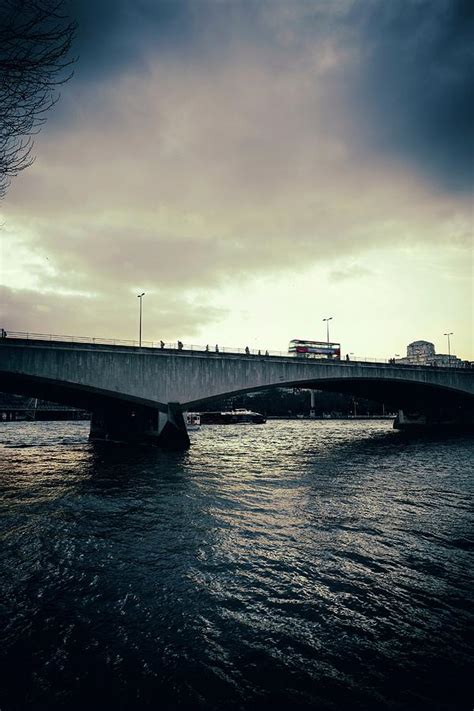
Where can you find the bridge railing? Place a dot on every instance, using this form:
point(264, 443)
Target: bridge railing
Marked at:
point(192, 348)
point(161, 345)
point(74, 339)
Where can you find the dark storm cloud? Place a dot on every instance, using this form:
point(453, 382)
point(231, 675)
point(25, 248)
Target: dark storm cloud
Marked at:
point(408, 67)
point(415, 83)
point(113, 35)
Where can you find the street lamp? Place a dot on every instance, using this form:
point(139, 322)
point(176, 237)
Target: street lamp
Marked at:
point(327, 326)
point(449, 345)
point(140, 296)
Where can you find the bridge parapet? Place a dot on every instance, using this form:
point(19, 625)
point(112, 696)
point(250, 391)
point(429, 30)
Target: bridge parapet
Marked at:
point(78, 341)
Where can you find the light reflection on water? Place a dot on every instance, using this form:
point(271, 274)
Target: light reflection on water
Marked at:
point(313, 564)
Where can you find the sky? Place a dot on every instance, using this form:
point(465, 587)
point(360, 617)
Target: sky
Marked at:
point(253, 166)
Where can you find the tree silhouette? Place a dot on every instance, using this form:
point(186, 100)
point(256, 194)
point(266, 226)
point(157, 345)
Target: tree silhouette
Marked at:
point(35, 39)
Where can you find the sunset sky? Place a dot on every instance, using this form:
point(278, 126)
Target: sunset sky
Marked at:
point(254, 166)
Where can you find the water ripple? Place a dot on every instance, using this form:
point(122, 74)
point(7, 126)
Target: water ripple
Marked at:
point(318, 565)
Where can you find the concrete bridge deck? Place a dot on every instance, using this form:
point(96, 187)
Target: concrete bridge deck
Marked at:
point(150, 387)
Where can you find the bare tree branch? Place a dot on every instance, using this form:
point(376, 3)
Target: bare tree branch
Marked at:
point(35, 40)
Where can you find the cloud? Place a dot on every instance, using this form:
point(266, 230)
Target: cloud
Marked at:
point(405, 64)
point(415, 84)
point(185, 178)
point(166, 315)
point(352, 271)
point(202, 144)
point(113, 35)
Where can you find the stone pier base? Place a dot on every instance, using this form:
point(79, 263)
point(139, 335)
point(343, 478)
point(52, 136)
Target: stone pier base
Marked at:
point(446, 418)
point(137, 424)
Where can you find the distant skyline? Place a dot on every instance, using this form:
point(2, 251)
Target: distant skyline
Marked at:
point(254, 167)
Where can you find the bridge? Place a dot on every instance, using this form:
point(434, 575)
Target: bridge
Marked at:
point(139, 393)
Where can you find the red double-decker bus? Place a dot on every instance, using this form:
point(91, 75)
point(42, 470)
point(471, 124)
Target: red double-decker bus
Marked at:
point(315, 349)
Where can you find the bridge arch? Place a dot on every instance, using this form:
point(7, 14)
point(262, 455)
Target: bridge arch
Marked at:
point(396, 393)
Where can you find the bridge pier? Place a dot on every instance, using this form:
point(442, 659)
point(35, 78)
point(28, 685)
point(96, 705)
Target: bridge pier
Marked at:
point(138, 424)
point(435, 418)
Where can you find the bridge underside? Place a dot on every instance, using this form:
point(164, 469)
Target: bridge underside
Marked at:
point(436, 405)
point(116, 417)
point(419, 406)
point(113, 417)
point(397, 395)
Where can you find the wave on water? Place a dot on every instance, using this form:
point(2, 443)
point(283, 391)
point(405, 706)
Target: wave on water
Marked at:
point(311, 565)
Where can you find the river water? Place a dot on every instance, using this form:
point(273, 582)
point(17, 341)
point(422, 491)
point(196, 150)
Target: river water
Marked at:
point(297, 564)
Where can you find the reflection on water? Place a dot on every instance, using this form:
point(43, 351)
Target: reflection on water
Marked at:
point(321, 565)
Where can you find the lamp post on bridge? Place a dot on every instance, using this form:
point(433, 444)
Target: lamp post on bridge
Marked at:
point(327, 326)
point(140, 296)
point(449, 346)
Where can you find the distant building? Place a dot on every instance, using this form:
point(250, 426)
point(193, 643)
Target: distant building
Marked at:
point(445, 360)
point(423, 353)
point(420, 351)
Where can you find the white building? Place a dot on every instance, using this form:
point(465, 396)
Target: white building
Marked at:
point(420, 352)
point(445, 360)
point(423, 353)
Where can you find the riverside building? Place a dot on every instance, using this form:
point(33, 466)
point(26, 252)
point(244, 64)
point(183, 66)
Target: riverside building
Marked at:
point(423, 353)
